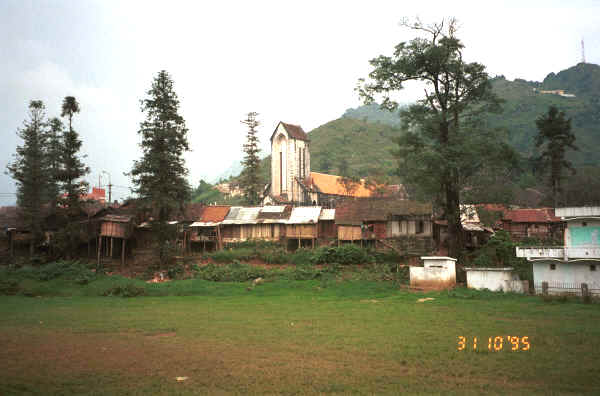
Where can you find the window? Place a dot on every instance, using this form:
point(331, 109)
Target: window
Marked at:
point(552, 267)
point(593, 267)
point(420, 227)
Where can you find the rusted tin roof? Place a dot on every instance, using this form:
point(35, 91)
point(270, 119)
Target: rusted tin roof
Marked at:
point(274, 214)
point(357, 211)
point(117, 218)
point(305, 215)
point(241, 215)
point(327, 214)
point(215, 214)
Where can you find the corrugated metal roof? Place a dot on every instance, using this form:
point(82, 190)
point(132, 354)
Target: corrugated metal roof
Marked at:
point(327, 214)
point(241, 215)
point(204, 224)
point(305, 215)
point(273, 209)
point(357, 211)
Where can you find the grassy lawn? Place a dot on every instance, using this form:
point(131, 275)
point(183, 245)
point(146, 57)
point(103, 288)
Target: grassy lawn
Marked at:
point(295, 337)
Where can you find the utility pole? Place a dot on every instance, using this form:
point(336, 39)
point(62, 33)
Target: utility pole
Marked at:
point(582, 52)
point(109, 188)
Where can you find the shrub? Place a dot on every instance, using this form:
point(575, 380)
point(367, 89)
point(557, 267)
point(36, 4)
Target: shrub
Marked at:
point(9, 287)
point(499, 251)
point(175, 271)
point(129, 290)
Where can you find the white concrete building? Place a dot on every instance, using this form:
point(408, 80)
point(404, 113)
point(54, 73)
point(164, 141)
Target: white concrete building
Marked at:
point(566, 267)
point(437, 272)
point(495, 279)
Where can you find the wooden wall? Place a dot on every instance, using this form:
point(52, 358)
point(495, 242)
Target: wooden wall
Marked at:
point(349, 233)
point(302, 231)
point(327, 229)
point(116, 230)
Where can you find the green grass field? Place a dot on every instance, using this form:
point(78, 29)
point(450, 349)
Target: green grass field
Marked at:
point(294, 337)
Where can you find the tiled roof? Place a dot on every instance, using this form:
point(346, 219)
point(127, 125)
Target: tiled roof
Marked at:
point(541, 215)
point(214, 214)
point(355, 211)
point(331, 184)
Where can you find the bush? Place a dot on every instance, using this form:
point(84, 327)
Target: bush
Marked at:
point(129, 290)
point(234, 272)
point(499, 251)
point(230, 255)
point(345, 255)
point(9, 287)
point(175, 271)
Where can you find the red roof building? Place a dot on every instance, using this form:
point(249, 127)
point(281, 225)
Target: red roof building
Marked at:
point(539, 223)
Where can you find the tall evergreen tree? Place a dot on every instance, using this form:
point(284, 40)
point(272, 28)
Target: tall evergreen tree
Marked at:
point(444, 143)
point(160, 175)
point(250, 178)
point(73, 168)
point(30, 171)
point(54, 153)
point(553, 139)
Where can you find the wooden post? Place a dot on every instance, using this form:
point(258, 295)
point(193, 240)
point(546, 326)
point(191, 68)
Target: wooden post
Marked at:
point(585, 292)
point(313, 243)
point(11, 238)
point(545, 288)
point(219, 240)
point(123, 252)
point(112, 243)
point(99, 249)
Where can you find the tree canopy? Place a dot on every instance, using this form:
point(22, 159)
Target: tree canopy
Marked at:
point(444, 143)
point(250, 182)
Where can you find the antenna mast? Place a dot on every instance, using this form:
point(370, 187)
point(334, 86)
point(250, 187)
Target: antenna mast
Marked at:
point(582, 52)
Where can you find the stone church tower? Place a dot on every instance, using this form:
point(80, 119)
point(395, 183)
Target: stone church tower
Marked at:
point(290, 162)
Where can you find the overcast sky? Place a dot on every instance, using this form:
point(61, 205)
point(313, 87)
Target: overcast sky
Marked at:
point(292, 61)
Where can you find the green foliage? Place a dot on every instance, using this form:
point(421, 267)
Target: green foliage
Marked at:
point(249, 180)
point(64, 269)
point(160, 175)
point(554, 139)
point(30, 170)
point(346, 254)
point(499, 251)
point(72, 167)
point(445, 145)
point(128, 290)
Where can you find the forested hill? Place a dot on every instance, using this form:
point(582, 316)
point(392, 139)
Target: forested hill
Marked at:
point(524, 102)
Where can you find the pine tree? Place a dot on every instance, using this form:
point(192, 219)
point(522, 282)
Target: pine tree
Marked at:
point(30, 171)
point(160, 175)
point(73, 168)
point(554, 138)
point(250, 178)
point(54, 154)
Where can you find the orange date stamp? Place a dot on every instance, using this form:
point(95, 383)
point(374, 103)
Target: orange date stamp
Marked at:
point(494, 344)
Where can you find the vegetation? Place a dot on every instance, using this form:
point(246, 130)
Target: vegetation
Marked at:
point(160, 175)
point(249, 181)
point(445, 145)
point(499, 251)
point(72, 167)
point(287, 336)
point(554, 139)
point(30, 171)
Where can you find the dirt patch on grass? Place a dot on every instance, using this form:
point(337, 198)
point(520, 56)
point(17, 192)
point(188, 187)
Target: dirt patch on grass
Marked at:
point(66, 362)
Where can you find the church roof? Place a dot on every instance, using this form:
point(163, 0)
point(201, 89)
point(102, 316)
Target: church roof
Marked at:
point(295, 131)
point(331, 184)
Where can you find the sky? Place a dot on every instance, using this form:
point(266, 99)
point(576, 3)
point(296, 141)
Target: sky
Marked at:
point(296, 62)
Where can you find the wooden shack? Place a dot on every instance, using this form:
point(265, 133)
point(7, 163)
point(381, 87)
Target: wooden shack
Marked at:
point(388, 218)
point(303, 224)
point(114, 228)
point(206, 229)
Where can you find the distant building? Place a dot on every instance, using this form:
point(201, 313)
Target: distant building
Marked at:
point(540, 223)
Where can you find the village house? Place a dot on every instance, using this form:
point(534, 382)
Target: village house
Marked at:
point(539, 223)
point(476, 233)
point(292, 181)
point(566, 268)
point(386, 222)
point(205, 229)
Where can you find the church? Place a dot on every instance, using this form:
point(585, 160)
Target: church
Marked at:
point(292, 181)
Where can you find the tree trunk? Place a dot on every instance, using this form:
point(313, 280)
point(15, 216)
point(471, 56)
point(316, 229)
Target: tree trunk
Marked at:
point(455, 232)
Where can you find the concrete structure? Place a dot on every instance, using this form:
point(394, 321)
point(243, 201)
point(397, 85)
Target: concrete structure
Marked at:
point(566, 267)
point(438, 272)
point(495, 279)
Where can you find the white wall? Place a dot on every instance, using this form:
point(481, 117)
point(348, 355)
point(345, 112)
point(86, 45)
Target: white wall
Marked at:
point(437, 272)
point(570, 274)
point(494, 279)
point(291, 149)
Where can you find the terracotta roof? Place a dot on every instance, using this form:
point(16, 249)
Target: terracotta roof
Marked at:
point(295, 131)
point(355, 211)
point(541, 215)
point(214, 214)
point(331, 184)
